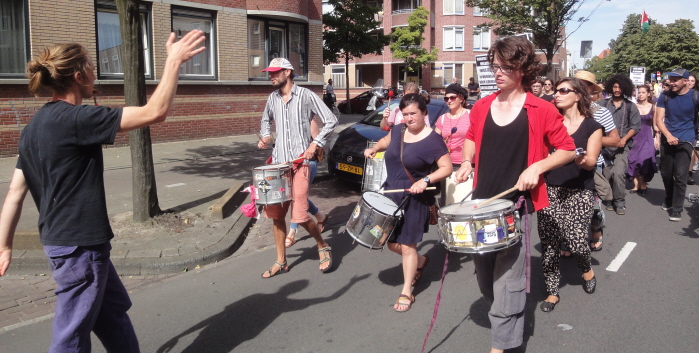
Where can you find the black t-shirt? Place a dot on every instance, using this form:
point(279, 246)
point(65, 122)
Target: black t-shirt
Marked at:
point(503, 157)
point(571, 175)
point(472, 87)
point(547, 97)
point(60, 154)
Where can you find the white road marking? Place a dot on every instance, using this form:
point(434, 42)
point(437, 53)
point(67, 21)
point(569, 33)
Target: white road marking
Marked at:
point(175, 185)
point(621, 257)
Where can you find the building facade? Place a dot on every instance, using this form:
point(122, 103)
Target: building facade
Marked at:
point(453, 29)
point(222, 90)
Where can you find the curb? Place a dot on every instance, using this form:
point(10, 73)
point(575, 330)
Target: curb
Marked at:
point(235, 229)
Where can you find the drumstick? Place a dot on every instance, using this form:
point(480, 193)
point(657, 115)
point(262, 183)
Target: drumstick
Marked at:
point(496, 197)
point(285, 163)
point(404, 190)
point(467, 195)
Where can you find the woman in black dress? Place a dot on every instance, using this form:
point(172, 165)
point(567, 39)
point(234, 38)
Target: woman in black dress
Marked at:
point(422, 148)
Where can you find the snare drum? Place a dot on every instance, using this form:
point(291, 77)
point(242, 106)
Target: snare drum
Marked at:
point(373, 220)
point(485, 229)
point(272, 184)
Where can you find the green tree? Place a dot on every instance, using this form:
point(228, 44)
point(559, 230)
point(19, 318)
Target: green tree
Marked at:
point(544, 19)
point(662, 48)
point(351, 31)
point(144, 190)
point(406, 42)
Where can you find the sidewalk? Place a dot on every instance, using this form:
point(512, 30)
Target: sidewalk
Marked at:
point(26, 293)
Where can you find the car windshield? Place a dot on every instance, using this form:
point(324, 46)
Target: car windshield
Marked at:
point(434, 109)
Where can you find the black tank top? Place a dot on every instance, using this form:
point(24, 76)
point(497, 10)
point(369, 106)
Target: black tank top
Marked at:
point(503, 157)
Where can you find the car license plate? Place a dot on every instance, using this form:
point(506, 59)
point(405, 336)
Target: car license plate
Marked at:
point(349, 168)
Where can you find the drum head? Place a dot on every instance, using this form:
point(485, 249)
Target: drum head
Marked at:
point(272, 167)
point(467, 207)
point(380, 202)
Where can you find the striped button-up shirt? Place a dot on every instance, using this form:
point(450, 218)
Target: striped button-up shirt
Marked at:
point(293, 122)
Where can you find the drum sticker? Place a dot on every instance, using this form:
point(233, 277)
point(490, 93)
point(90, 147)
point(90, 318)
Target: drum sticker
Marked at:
point(264, 187)
point(490, 234)
point(376, 231)
point(461, 232)
point(510, 219)
point(276, 195)
point(379, 155)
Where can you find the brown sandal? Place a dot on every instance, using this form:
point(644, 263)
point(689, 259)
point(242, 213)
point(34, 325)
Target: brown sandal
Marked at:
point(418, 274)
point(411, 299)
point(327, 258)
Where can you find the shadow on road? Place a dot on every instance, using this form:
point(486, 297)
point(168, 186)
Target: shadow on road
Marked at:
point(233, 161)
point(248, 317)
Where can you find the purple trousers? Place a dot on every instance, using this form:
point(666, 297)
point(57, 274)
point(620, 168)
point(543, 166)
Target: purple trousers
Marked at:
point(90, 298)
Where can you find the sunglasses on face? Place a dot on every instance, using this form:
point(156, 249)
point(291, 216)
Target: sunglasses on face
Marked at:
point(565, 90)
point(547, 84)
point(505, 69)
point(450, 98)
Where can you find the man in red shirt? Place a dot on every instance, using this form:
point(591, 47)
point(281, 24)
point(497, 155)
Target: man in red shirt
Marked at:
point(531, 126)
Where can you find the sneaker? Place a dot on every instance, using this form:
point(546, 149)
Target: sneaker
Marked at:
point(609, 206)
point(675, 216)
point(666, 207)
point(695, 167)
point(621, 210)
point(691, 181)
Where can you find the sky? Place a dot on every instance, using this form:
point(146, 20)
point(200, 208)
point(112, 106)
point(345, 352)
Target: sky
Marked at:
point(606, 22)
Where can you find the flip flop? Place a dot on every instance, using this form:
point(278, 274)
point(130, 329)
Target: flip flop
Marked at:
point(321, 224)
point(411, 300)
point(418, 274)
point(596, 241)
point(290, 240)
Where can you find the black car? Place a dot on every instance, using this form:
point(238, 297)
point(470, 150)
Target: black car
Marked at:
point(359, 103)
point(346, 158)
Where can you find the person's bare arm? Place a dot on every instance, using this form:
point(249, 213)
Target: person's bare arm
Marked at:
point(659, 120)
point(588, 161)
point(444, 169)
point(11, 211)
point(530, 176)
point(156, 109)
point(612, 139)
point(466, 157)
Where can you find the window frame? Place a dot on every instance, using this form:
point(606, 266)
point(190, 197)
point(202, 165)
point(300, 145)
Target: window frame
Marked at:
point(447, 81)
point(213, 41)
point(101, 6)
point(27, 44)
point(453, 7)
point(286, 25)
point(453, 30)
point(480, 33)
point(477, 11)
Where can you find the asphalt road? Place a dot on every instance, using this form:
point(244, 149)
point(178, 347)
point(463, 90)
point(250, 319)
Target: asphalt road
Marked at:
point(648, 305)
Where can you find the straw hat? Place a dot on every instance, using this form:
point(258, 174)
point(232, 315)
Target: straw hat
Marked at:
point(589, 77)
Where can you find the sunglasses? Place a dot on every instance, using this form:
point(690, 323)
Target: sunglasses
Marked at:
point(450, 98)
point(505, 69)
point(565, 90)
point(547, 84)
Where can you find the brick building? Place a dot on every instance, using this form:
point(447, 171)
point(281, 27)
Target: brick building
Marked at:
point(452, 29)
point(222, 91)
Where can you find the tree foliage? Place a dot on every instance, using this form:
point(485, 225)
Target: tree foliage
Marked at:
point(406, 42)
point(351, 32)
point(662, 48)
point(544, 19)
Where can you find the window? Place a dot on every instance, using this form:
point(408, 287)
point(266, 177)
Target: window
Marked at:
point(481, 38)
point(451, 71)
point(405, 6)
point(453, 7)
point(184, 20)
point(109, 39)
point(13, 31)
point(274, 39)
point(453, 38)
point(337, 73)
point(477, 11)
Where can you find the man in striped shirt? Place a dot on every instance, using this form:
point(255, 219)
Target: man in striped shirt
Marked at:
point(292, 108)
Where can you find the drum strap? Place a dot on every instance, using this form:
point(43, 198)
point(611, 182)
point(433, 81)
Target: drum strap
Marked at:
point(526, 236)
point(436, 302)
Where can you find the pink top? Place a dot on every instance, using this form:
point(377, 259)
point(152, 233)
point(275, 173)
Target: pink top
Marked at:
point(395, 117)
point(454, 142)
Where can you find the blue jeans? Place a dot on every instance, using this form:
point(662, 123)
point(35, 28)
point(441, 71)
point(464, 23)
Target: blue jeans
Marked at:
point(90, 297)
point(312, 209)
